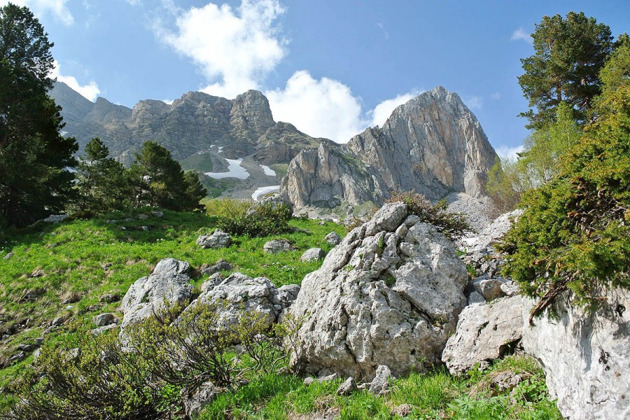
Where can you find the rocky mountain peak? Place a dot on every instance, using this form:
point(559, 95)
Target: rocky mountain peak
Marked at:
point(433, 145)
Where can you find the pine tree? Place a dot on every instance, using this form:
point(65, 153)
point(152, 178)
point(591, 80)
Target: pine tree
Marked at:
point(34, 157)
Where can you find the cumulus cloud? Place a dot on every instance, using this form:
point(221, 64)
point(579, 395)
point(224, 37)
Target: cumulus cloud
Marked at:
point(89, 91)
point(382, 111)
point(57, 8)
point(233, 48)
point(509, 152)
point(521, 35)
point(320, 108)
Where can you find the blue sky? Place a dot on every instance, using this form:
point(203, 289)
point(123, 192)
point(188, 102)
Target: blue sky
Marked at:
point(331, 67)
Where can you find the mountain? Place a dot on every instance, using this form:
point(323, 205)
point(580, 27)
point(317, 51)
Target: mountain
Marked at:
point(201, 131)
point(432, 145)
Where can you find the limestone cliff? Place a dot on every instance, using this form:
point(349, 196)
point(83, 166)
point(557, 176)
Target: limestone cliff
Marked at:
point(432, 144)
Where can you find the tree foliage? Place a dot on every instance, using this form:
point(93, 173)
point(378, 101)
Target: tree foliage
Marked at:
point(34, 157)
point(159, 180)
point(569, 54)
point(103, 184)
point(575, 231)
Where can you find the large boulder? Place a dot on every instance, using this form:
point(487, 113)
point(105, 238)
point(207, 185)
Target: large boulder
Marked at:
point(239, 294)
point(389, 294)
point(168, 284)
point(218, 239)
point(585, 357)
point(485, 332)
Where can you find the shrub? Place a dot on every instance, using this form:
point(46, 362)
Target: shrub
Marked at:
point(452, 225)
point(257, 220)
point(162, 358)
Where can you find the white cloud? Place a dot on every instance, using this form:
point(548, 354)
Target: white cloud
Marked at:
point(382, 111)
point(320, 108)
point(89, 91)
point(474, 102)
point(521, 35)
point(495, 96)
point(382, 27)
point(234, 48)
point(509, 152)
point(39, 7)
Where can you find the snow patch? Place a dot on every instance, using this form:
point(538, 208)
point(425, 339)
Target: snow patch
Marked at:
point(235, 170)
point(265, 190)
point(268, 171)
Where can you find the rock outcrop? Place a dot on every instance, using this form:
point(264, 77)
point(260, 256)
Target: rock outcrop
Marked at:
point(485, 332)
point(585, 357)
point(168, 284)
point(432, 144)
point(389, 294)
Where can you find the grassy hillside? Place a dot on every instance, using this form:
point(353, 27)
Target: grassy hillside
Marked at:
point(55, 277)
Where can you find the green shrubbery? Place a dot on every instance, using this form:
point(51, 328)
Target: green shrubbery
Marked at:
point(254, 220)
point(146, 374)
point(452, 225)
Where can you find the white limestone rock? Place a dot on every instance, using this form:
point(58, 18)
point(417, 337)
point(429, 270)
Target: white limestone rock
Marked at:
point(389, 294)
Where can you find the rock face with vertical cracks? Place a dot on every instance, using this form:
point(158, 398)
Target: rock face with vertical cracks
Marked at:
point(389, 294)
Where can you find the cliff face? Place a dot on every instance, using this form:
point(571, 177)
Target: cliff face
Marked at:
point(194, 123)
point(432, 144)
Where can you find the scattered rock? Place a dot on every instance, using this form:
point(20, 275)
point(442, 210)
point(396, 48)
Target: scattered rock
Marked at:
point(347, 387)
point(313, 254)
point(27, 347)
point(9, 255)
point(104, 319)
point(221, 265)
point(71, 298)
point(276, 246)
point(168, 284)
point(218, 239)
point(333, 239)
point(58, 321)
point(389, 294)
point(308, 381)
point(157, 213)
point(101, 330)
point(380, 383)
point(484, 333)
point(109, 298)
point(403, 410)
point(195, 401)
point(55, 218)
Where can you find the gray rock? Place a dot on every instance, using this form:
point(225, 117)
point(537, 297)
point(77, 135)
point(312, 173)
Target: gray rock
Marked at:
point(55, 218)
point(240, 294)
point(169, 284)
point(58, 321)
point(109, 298)
point(195, 401)
point(380, 383)
point(489, 288)
point(475, 298)
point(9, 255)
point(287, 294)
point(276, 246)
point(585, 356)
point(333, 239)
point(218, 239)
point(485, 332)
point(101, 330)
point(347, 387)
point(308, 381)
point(102, 320)
point(221, 265)
point(432, 145)
point(389, 298)
point(313, 254)
point(212, 281)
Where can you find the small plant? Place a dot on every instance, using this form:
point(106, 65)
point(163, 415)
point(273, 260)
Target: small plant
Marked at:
point(452, 225)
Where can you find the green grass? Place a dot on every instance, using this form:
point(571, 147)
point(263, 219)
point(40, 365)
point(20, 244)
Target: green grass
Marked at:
point(432, 395)
point(90, 258)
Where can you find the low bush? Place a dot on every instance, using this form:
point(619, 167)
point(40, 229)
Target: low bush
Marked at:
point(144, 375)
point(256, 220)
point(452, 225)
